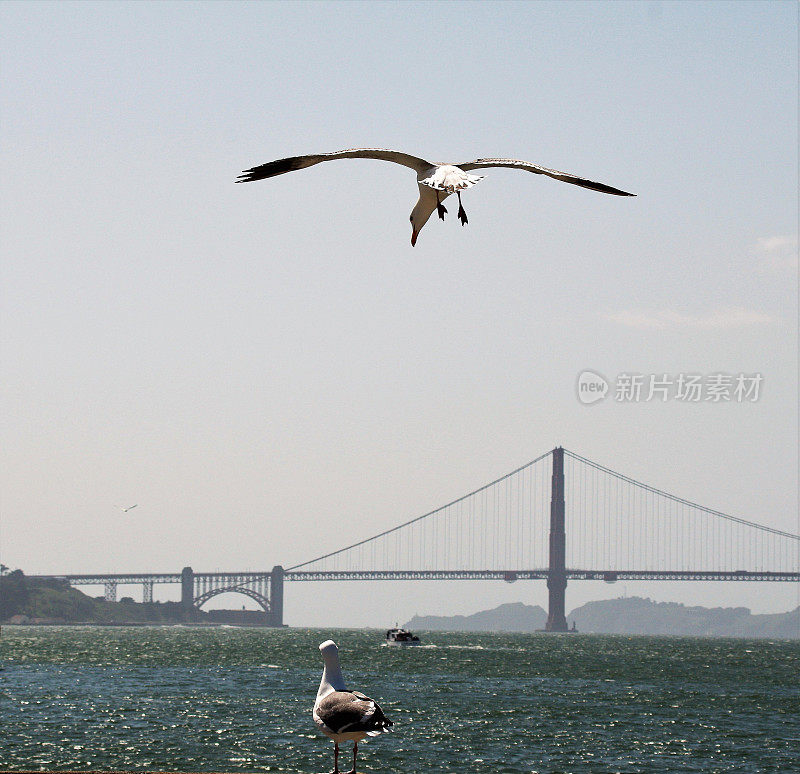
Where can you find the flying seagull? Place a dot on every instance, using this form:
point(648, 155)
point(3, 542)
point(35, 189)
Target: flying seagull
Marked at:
point(436, 181)
point(342, 714)
point(129, 508)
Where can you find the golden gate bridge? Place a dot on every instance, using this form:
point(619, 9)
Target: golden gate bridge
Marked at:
point(560, 517)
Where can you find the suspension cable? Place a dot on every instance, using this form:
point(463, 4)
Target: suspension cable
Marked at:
point(681, 500)
point(424, 515)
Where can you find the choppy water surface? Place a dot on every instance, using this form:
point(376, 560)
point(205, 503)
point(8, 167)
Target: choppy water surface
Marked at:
point(230, 699)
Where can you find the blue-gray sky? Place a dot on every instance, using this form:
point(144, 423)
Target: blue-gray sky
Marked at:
point(270, 370)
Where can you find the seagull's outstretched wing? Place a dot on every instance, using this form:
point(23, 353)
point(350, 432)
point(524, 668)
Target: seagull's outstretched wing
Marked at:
point(539, 170)
point(281, 166)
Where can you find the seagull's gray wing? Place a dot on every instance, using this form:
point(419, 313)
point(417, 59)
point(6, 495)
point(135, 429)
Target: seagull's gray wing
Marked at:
point(281, 166)
point(343, 711)
point(539, 170)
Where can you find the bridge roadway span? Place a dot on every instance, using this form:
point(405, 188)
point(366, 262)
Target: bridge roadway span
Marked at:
point(234, 580)
point(267, 587)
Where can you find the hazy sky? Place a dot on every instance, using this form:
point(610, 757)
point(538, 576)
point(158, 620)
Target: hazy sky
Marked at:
point(271, 371)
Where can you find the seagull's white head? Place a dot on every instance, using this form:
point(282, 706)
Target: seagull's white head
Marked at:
point(332, 679)
point(328, 649)
point(421, 212)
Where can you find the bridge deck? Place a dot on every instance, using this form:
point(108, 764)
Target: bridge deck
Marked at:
point(609, 576)
point(506, 575)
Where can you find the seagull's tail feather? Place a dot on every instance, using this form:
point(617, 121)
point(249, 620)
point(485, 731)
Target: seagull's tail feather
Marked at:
point(467, 182)
point(448, 184)
point(379, 722)
point(383, 725)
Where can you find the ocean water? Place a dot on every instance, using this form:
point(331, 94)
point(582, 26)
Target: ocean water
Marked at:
point(229, 699)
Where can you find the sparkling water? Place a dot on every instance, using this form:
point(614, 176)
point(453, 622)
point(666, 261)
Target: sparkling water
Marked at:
point(229, 699)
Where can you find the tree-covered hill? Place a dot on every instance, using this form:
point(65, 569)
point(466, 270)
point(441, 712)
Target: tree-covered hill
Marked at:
point(55, 601)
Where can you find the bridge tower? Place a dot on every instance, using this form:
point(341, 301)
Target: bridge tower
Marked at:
point(187, 587)
point(557, 573)
point(276, 596)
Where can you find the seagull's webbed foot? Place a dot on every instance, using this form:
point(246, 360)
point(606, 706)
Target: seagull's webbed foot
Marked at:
point(440, 208)
point(462, 215)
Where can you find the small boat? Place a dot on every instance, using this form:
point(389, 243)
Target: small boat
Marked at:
point(401, 637)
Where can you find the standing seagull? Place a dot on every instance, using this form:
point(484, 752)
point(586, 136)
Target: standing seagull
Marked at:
point(436, 181)
point(342, 714)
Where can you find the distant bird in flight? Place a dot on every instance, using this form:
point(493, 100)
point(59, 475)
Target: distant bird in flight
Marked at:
point(436, 181)
point(344, 715)
point(129, 508)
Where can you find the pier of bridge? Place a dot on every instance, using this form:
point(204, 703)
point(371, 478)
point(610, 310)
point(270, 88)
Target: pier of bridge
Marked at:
point(557, 571)
point(518, 527)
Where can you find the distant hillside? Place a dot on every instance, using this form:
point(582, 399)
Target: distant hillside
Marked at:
point(632, 615)
point(511, 617)
point(636, 615)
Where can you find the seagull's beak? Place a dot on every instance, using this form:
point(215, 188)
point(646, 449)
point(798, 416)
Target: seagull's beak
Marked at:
point(414, 235)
